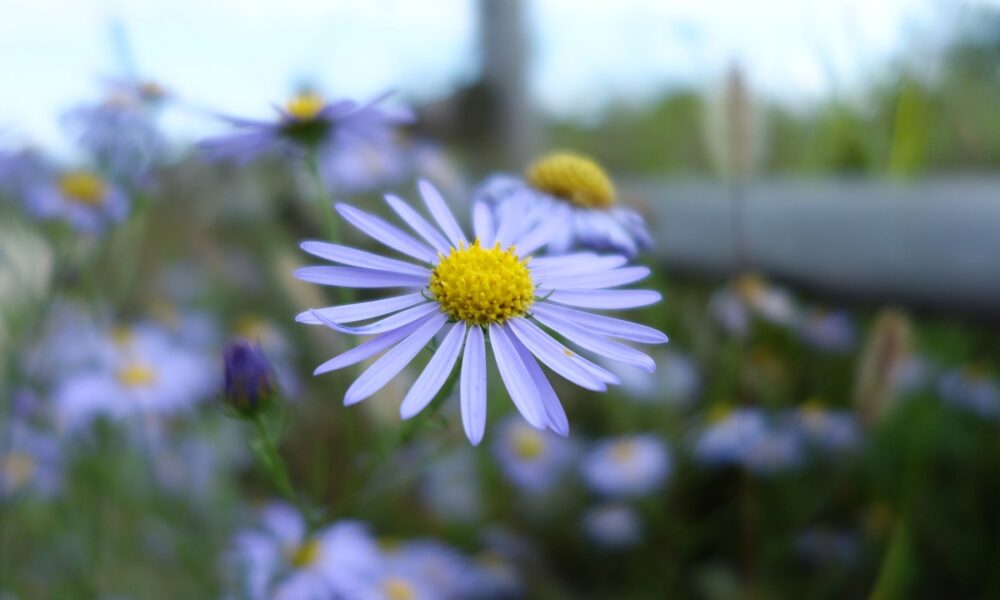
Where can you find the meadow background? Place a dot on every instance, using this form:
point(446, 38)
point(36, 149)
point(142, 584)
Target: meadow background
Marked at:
point(816, 437)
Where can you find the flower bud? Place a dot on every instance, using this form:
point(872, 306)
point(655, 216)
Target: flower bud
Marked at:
point(250, 383)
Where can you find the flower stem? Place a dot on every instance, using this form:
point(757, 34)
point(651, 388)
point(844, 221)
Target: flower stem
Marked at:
point(322, 195)
point(267, 452)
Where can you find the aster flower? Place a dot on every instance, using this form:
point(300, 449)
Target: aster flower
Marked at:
point(828, 331)
point(748, 296)
point(81, 198)
point(249, 379)
point(471, 292)
point(575, 191)
point(307, 121)
point(614, 525)
point(422, 569)
point(30, 461)
point(743, 437)
point(830, 430)
point(20, 170)
point(532, 460)
point(629, 466)
point(281, 560)
point(140, 372)
point(971, 389)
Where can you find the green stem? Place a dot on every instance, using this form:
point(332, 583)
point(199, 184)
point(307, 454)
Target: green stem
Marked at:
point(267, 452)
point(322, 195)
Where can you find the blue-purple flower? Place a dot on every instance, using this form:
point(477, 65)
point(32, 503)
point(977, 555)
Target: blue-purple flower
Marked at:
point(468, 292)
point(249, 379)
point(627, 467)
point(575, 192)
point(81, 198)
point(532, 460)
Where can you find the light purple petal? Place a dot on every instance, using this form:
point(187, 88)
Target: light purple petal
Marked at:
point(359, 258)
point(386, 233)
point(606, 299)
point(554, 412)
point(419, 224)
point(473, 386)
point(574, 264)
point(482, 223)
point(387, 324)
point(442, 214)
point(596, 343)
point(392, 362)
point(594, 281)
point(543, 232)
point(601, 324)
point(367, 349)
point(435, 373)
point(516, 378)
point(557, 357)
point(510, 220)
point(359, 278)
point(359, 311)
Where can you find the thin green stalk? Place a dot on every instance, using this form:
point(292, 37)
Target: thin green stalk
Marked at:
point(267, 452)
point(322, 195)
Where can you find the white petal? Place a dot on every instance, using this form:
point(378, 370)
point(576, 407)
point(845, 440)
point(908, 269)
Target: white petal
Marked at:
point(386, 233)
point(554, 412)
point(596, 343)
point(473, 386)
point(594, 281)
point(482, 223)
point(419, 224)
point(359, 278)
point(516, 379)
point(367, 349)
point(608, 299)
point(387, 324)
point(557, 357)
point(441, 213)
point(359, 311)
point(601, 324)
point(392, 362)
point(359, 258)
point(434, 374)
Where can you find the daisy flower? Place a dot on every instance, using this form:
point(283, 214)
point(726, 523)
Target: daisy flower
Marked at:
point(575, 191)
point(30, 461)
point(306, 121)
point(629, 466)
point(421, 569)
point(532, 460)
point(473, 292)
point(972, 390)
point(614, 526)
point(745, 438)
point(281, 560)
point(828, 331)
point(831, 430)
point(81, 198)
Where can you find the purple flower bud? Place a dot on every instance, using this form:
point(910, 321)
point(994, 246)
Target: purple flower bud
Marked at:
point(250, 384)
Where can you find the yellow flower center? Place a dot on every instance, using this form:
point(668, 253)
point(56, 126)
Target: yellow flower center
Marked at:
point(718, 413)
point(750, 287)
point(305, 106)
point(482, 285)
point(136, 375)
point(528, 445)
point(396, 588)
point(17, 469)
point(623, 451)
point(83, 187)
point(122, 336)
point(251, 327)
point(573, 178)
point(306, 554)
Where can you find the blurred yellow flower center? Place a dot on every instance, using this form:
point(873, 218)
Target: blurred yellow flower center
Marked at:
point(718, 413)
point(122, 336)
point(83, 187)
point(306, 554)
point(623, 451)
point(398, 589)
point(305, 106)
point(750, 287)
point(528, 445)
point(251, 327)
point(136, 375)
point(16, 469)
point(482, 285)
point(573, 178)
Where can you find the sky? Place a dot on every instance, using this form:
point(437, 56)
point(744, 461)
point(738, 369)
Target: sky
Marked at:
point(241, 56)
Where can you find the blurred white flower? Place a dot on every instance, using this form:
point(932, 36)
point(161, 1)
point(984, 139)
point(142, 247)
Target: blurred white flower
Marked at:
point(628, 466)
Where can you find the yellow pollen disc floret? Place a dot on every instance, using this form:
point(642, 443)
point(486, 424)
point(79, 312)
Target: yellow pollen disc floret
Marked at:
point(17, 469)
point(306, 554)
point(482, 285)
point(573, 178)
point(136, 375)
point(396, 588)
point(305, 106)
point(83, 187)
point(623, 451)
point(528, 444)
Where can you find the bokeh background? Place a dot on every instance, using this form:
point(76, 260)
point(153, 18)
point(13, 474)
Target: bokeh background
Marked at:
point(820, 181)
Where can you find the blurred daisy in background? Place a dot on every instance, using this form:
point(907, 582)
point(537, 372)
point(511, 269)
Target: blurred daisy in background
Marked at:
point(307, 123)
point(729, 435)
point(20, 170)
point(423, 569)
point(677, 381)
point(829, 430)
point(360, 166)
point(142, 372)
point(470, 292)
point(779, 451)
point(81, 198)
point(30, 461)
point(630, 466)
point(281, 560)
point(531, 459)
point(829, 331)
point(751, 296)
point(576, 192)
point(971, 389)
point(614, 525)
point(450, 488)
